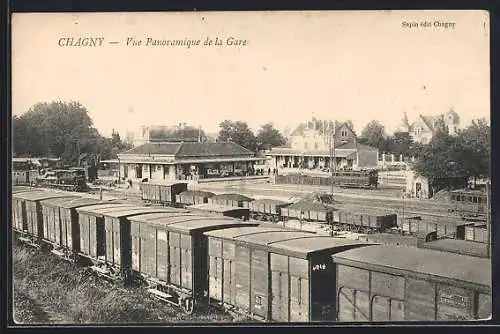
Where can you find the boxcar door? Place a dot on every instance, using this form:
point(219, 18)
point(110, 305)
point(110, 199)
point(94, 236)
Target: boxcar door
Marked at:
point(116, 242)
point(229, 273)
point(215, 269)
point(136, 246)
point(186, 262)
point(260, 281)
point(175, 258)
point(299, 290)
point(243, 277)
point(93, 236)
point(148, 248)
point(45, 218)
point(280, 288)
point(57, 226)
point(108, 230)
point(162, 257)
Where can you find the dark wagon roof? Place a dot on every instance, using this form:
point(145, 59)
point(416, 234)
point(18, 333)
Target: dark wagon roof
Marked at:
point(215, 207)
point(419, 261)
point(69, 203)
point(197, 193)
point(310, 206)
point(233, 197)
point(283, 241)
point(41, 195)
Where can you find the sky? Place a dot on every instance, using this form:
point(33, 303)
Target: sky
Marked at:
point(293, 66)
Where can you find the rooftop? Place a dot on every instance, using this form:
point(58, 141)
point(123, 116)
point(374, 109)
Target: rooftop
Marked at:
point(190, 149)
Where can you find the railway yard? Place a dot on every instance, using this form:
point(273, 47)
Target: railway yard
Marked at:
point(262, 237)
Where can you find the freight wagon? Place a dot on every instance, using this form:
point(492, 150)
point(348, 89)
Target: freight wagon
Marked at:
point(469, 203)
point(61, 228)
point(190, 197)
point(273, 274)
point(231, 200)
point(267, 209)
point(170, 252)
point(28, 215)
point(162, 193)
point(443, 226)
point(221, 210)
point(105, 238)
point(477, 233)
point(364, 220)
point(308, 211)
point(346, 179)
point(391, 283)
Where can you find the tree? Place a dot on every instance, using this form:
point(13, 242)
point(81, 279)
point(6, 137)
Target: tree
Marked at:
point(269, 137)
point(179, 133)
point(400, 143)
point(373, 134)
point(239, 133)
point(475, 144)
point(60, 129)
point(463, 156)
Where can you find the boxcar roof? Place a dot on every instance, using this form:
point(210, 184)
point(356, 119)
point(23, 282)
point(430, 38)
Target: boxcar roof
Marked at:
point(233, 197)
point(419, 261)
point(41, 195)
point(99, 208)
point(124, 212)
point(459, 246)
point(241, 231)
point(169, 212)
point(267, 237)
point(179, 219)
point(313, 243)
point(207, 224)
point(270, 201)
point(215, 207)
point(197, 193)
point(71, 202)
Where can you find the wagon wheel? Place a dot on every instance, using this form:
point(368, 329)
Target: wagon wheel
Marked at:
point(188, 305)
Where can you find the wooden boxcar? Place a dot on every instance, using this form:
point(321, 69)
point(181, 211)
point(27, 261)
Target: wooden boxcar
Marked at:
point(394, 283)
point(61, 228)
point(114, 259)
point(443, 226)
point(267, 209)
point(190, 197)
point(221, 210)
point(463, 247)
point(356, 179)
point(273, 274)
point(231, 200)
point(92, 232)
point(477, 233)
point(170, 253)
point(19, 220)
point(469, 203)
point(307, 211)
point(164, 193)
point(364, 220)
point(29, 202)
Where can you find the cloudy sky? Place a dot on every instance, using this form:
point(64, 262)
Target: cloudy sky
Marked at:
point(294, 65)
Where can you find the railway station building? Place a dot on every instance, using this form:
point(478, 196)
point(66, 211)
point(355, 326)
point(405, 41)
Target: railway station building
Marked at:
point(186, 161)
point(310, 148)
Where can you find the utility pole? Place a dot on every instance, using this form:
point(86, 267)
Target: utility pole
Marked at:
point(488, 218)
point(333, 164)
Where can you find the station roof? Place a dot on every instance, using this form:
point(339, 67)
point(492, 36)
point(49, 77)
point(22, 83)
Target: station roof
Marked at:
point(401, 259)
point(215, 207)
point(283, 241)
point(190, 149)
point(38, 195)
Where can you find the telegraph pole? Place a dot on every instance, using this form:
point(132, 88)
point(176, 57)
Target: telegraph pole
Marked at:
point(333, 166)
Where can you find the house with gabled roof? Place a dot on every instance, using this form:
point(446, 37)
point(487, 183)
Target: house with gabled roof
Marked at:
point(423, 128)
point(183, 160)
point(311, 143)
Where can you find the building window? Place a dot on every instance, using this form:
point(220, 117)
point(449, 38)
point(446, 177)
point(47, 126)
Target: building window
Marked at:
point(305, 146)
point(315, 146)
point(343, 133)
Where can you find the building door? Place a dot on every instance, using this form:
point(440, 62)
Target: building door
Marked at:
point(125, 171)
point(138, 171)
point(418, 189)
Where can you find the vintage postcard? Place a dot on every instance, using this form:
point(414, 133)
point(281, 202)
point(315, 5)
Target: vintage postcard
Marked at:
point(246, 167)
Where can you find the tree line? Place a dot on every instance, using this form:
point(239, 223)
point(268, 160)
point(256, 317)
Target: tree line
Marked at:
point(63, 130)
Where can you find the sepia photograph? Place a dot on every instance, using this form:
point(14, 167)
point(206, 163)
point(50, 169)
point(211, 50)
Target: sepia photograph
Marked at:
point(252, 167)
